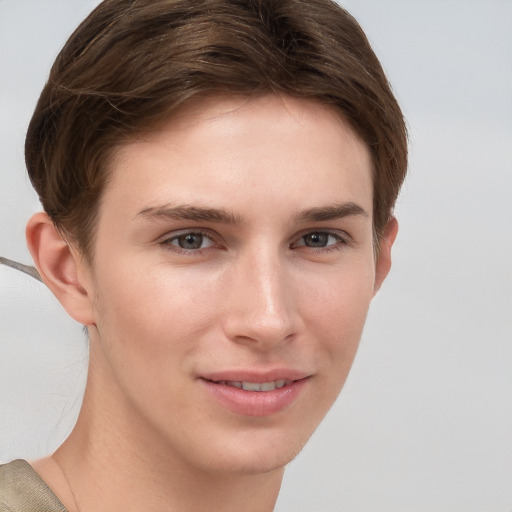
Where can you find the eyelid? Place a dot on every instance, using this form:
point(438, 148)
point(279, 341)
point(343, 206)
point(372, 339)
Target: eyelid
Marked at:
point(166, 239)
point(342, 236)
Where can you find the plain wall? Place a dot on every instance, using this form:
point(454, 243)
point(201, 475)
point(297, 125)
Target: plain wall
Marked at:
point(425, 420)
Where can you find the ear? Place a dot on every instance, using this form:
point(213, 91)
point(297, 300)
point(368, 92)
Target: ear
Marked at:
point(61, 267)
point(383, 263)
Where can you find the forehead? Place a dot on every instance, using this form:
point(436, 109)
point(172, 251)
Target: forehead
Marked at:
point(269, 150)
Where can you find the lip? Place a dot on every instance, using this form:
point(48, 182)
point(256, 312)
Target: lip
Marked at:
point(255, 375)
point(255, 403)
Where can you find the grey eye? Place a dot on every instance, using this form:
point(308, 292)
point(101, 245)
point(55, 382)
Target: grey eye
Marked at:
point(190, 241)
point(317, 239)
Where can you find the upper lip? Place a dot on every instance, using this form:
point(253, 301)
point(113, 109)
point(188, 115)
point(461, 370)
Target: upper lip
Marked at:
point(255, 375)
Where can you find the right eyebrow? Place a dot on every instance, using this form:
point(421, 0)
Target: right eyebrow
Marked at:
point(186, 212)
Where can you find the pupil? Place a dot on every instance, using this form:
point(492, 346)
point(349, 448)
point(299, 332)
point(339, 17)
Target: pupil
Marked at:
point(316, 239)
point(191, 241)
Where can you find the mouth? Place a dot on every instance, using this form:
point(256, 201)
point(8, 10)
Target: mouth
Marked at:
point(256, 394)
point(255, 386)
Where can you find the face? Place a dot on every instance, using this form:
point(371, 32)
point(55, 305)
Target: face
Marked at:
point(232, 274)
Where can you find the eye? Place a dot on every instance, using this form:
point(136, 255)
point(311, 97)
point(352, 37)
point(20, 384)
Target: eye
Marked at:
point(320, 240)
point(190, 241)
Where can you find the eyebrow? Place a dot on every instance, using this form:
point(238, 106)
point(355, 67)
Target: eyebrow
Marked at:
point(192, 213)
point(331, 212)
point(220, 215)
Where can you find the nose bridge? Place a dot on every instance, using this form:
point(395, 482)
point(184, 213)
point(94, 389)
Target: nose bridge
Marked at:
point(262, 306)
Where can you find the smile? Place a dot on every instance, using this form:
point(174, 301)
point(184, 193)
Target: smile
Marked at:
point(256, 396)
point(255, 386)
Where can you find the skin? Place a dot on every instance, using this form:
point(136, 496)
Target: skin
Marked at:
point(280, 280)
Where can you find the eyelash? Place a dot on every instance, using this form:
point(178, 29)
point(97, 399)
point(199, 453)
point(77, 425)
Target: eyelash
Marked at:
point(167, 242)
point(342, 240)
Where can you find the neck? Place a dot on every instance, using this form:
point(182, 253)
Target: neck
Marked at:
point(98, 483)
point(111, 461)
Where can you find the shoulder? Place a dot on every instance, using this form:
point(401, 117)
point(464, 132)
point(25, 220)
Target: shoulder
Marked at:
point(22, 489)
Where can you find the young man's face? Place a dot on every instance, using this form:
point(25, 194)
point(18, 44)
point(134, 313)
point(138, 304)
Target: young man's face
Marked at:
point(233, 252)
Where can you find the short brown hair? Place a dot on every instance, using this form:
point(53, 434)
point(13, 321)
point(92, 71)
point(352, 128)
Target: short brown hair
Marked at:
point(131, 63)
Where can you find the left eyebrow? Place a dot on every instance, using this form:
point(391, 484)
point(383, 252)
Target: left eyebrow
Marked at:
point(331, 212)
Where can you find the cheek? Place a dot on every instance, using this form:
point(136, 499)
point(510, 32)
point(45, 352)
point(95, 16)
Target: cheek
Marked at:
point(149, 324)
point(149, 310)
point(336, 313)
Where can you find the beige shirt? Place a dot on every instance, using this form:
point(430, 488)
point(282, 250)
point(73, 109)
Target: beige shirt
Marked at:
point(23, 490)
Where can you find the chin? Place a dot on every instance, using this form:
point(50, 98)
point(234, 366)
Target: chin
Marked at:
point(255, 454)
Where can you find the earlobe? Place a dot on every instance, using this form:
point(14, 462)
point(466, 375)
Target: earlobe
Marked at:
point(59, 267)
point(383, 263)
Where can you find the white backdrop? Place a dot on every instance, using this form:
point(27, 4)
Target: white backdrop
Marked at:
point(425, 420)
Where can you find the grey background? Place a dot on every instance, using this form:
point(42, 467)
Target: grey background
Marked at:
point(425, 420)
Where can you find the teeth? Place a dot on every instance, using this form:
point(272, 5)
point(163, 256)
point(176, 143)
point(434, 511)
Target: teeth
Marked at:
point(267, 386)
point(256, 386)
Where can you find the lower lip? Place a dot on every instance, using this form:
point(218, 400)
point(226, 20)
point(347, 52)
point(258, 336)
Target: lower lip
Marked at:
point(255, 403)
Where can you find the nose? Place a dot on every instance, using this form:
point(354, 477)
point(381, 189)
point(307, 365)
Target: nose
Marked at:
point(261, 310)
